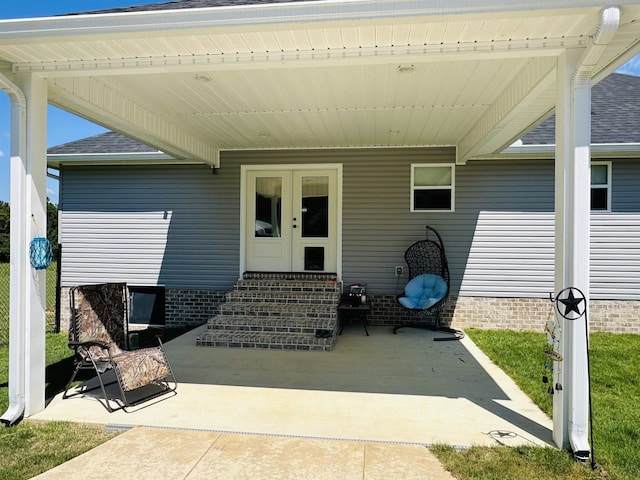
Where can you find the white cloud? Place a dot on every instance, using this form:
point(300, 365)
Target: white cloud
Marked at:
point(52, 195)
point(1, 154)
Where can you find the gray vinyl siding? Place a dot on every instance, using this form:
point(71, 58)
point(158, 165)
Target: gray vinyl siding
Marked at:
point(499, 239)
point(512, 250)
point(615, 256)
point(176, 226)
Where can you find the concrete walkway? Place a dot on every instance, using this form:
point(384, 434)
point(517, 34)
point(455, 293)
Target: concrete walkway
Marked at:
point(148, 453)
point(379, 401)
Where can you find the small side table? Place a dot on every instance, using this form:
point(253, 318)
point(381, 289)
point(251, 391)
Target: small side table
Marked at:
point(346, 306)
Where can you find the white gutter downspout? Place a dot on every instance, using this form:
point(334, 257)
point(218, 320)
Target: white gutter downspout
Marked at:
point(573, 157)
point(17, 327)
point(609, 23)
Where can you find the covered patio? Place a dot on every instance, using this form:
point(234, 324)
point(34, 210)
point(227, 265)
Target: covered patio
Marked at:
point(196, 82)
point(403, 388)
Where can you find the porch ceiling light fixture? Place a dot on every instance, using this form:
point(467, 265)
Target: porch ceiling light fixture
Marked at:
point(406, 68)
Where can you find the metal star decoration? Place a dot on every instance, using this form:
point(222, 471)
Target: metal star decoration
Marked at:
point(571, 304)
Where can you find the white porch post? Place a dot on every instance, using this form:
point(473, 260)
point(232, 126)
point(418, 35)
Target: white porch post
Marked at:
point(28, 220)
point(572, 226)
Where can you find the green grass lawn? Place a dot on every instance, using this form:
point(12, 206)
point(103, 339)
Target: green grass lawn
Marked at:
point(31, 448)
point(615, 369)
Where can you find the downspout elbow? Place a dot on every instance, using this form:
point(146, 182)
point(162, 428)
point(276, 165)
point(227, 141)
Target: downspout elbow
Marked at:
point(607, 28)
point(14, 413)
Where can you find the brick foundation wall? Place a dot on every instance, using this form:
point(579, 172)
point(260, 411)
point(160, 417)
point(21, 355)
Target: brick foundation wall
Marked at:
point(182, 306)
point(65, 313)
point(616, 316)
point(195, 307)
point(191, 307)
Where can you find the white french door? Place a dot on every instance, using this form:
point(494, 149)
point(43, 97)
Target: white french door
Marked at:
point(291, 219)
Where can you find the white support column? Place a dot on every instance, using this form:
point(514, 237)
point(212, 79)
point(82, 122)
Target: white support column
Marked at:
point(29, 219)
point(16, 318)
point(572, 227)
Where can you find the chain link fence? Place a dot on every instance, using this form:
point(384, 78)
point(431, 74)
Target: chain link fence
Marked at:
point(52, 312)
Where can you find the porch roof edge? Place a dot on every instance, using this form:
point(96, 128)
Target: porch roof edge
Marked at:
point(120, 158)
point(547, 151)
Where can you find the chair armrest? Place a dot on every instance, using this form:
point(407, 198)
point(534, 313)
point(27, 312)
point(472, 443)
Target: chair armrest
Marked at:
point(88, 344)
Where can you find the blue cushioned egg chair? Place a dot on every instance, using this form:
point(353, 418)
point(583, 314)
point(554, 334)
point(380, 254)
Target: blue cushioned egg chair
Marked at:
point(427, 291)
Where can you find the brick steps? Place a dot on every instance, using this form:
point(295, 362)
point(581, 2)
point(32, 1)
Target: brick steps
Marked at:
point(264, 340)
point(262, 296)
point(278, 312)
point(293, 311)
point(262, 324)
point(285, 286)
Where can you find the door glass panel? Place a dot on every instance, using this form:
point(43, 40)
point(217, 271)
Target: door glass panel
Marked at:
point(268, 221)
point(315, 207)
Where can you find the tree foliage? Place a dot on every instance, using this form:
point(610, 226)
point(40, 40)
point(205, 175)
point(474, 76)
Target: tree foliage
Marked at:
point(52, 228)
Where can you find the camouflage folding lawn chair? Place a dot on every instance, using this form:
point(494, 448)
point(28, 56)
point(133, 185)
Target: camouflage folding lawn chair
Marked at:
point(98, 334)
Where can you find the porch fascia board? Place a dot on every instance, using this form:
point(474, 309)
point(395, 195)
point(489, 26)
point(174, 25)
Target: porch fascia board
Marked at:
point(55, 160)
point(520, 152)
point(548, 152)
point(71, 27)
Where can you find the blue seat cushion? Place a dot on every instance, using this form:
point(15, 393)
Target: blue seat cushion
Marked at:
point(423, 291)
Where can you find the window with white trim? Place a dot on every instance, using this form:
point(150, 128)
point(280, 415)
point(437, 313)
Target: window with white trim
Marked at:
point(432, 187)
point(601, 186)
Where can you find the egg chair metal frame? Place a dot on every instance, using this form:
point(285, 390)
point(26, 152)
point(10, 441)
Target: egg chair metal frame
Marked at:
point(428, 257)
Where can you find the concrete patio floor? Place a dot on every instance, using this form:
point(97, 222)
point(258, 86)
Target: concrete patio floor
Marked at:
point(368, 410)
point(397, 389)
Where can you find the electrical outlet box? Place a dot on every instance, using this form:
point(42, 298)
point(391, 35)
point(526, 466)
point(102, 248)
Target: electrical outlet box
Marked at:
point(399, 271)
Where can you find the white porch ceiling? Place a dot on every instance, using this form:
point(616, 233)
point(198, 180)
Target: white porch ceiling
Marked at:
point(313, 74)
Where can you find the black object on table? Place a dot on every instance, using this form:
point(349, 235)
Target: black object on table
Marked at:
point(354, 306)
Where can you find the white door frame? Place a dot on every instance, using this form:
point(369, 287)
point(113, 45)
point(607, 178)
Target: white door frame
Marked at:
point(311, 166)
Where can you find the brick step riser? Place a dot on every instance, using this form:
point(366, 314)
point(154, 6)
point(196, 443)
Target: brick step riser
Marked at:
point(265, 330)
point(316, 298)
point(280, 341)
point(232, 310)
point(291, 287)
point(280, 324)
point(300, 277)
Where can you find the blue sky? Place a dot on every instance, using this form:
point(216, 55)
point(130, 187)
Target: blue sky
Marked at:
point(64, 127)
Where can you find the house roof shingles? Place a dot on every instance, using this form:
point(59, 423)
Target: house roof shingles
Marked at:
point(615, 114)
point(109, 142)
